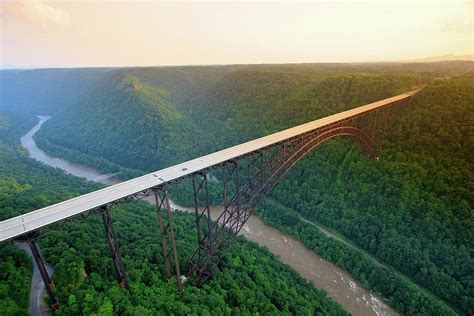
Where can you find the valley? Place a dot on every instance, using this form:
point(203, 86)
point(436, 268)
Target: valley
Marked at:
point(412, 209)
point(339, 285)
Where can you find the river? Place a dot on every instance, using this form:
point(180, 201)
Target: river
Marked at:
point(338, 283)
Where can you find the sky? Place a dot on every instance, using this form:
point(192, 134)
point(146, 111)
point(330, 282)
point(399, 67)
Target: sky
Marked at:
point(40, 33)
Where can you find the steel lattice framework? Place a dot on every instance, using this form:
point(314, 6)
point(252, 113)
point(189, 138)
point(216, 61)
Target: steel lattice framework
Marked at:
point(247, 172)
point(262, 171)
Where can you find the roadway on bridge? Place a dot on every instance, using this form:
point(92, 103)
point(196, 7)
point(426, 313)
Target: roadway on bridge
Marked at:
point(34, 220)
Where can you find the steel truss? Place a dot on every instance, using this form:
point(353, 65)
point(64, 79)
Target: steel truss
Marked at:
point(201, 270)
point(117, 260)
point(248, 179)
point(167, 235)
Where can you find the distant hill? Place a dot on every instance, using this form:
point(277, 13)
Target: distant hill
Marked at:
point(138, 118)
point(448, 57)
point(147, 118)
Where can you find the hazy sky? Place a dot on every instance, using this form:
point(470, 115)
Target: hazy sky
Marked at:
point(108, 33)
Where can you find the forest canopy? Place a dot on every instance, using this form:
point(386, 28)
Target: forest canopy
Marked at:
point(413, 209)
point(251, 280)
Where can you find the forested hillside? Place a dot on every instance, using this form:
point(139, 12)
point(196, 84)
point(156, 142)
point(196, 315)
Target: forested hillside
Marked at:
point(253, 102)
point(251, 279)
point(413, 209)
point(191, 111)
point(140, 123)
point(138, 118)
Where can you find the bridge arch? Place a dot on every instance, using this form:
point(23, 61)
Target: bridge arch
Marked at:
point(362, 139)
point(302, 148)
point(242, 204)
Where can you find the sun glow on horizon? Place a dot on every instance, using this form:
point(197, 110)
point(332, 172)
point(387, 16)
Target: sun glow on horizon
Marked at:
point(105, 33)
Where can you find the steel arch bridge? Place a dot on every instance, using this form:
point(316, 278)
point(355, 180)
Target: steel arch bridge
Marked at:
point(248, 172)
point(250, 187)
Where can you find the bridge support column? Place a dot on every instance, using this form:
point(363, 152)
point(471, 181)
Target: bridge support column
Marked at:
point(232, 215)
point(114, 248)
point(230, 181)
point(162, 202)
point(48, 283)
point(200, 266)
point(385, 122)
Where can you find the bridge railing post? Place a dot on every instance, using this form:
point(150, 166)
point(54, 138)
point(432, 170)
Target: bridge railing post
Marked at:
point(48, 283)
point(162, 202)
point(114, 247)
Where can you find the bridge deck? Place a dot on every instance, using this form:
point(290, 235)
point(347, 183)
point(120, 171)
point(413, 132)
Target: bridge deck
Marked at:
point(34, 220)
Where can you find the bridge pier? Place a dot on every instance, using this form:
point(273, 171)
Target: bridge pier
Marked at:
point(200, 264)
point(48, 283)
point(114, 247)
point(229, 173)
point(162, 202)
point(385, 122)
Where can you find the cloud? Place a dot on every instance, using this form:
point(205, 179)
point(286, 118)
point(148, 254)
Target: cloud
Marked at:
point(35, 10)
